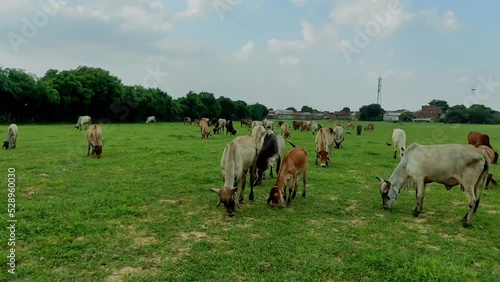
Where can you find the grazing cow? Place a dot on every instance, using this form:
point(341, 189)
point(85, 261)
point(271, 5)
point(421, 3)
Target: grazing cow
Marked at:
point(491, 155)
point(306, 127)
point(350, 125)
point(314, 127)
point(477, 139)
point(256, 123)
point(294, 164)
point(399, 141)
point(338, 124)
point(359, 128)
point(339, 136)
point(205, 132)
point(219, 126)
point(197, 122)
point(237, 159)
point(324, 145)
point(94, 138)
point(83, 120)
point(151, 119)
point(285, 131)
point(280, 123)
point(297, 125)
point(370, 127)
point(247, 122)
point(187, 120)
point(257, 133)
point(12, 132)
point(243, 121)
point(448, 164)
point(229, 127)
point(270, 151)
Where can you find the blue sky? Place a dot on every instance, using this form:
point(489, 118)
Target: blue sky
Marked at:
point(278, 53)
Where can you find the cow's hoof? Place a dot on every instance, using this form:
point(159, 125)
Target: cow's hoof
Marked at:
point(415, 213)
point(467, 225)
point(251, 198)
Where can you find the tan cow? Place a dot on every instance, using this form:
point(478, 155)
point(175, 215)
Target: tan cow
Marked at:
point(491, 155)
point(324, 145)
point(294, 164)
point(285, 130)
point(237, 158)
point(94, 137)
point(205, 131)
point(350, 125)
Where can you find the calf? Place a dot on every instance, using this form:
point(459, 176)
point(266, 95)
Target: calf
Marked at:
point(399, 141)
point(94, 138)
point(229, 127)
point(237, 158)
point(294, 164)
point(477, 139)
point(12, 132)
point(448, 164)
point(324, 145)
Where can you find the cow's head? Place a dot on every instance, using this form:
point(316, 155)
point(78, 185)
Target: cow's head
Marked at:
point(287, 135)
point(323, 155)
point(385, 187)
point(97, 151)
point(233, 132)
point(5, 145)
point(276, 198)
point(229, 198)
point(338, 144)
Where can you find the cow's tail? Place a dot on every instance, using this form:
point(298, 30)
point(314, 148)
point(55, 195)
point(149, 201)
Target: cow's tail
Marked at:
point(478, 189)
point(291, 143)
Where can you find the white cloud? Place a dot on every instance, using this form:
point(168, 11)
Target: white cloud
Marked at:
point(242, 55)
point(388, 15)
point(289, 61)
point(447, 21)
point(170, 45)
point(276, 45)
point(463, 79)
point(299, 2)
point(194, 10)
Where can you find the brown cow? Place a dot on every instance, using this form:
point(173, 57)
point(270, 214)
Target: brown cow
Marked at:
point(94, 138)
point(491, 155)
point(350, 125)
point(230, 128)
point(297, 125)
point(205, 132)
point(294, 163)
point(324, 145)
point(359, 128)
point(477, 139)
point(197, 122)
point(370, 127)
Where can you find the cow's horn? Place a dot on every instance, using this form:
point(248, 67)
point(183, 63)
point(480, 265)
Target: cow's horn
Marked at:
point(379, 178)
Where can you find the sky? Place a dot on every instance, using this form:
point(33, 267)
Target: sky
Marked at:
point(281, 53)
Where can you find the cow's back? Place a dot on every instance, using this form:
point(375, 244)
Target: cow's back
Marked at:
point(247, 148)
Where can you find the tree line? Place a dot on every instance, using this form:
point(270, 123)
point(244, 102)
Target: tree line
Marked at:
point(62, 96)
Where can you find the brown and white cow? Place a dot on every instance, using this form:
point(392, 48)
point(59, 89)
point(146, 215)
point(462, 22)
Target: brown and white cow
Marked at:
point(187, 120)
point(294, 164)
point(477, 139)
point(324, 145)
point(94, 138)
point(285, 131)
point(237, 158)
point(349, 125)
point(447, 164)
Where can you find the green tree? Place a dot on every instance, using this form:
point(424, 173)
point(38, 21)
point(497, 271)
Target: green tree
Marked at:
point(346, 110)
point(440, 103)
point(457, 114)
point(192, 106)
point(258, 111)
point(291, 109)
point(211, 107)
point(228, 108)
point(480, 114)
point(371, 112)
point(241, 110)
point(407, 116)
point(306, 109)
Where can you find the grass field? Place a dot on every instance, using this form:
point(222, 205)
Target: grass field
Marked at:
point(144, 212)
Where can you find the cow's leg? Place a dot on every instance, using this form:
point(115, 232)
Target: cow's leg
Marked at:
point(278, 164)
point(304, 179)
point(395, 151)
point(295, 187)
point(316, 162)
point(471, 198)
point(88, 150)
point(420, 198)
point(243, 184)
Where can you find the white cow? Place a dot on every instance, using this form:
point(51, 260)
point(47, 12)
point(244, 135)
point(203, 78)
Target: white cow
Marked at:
point(237, 158)
point(399, 141)
point(83, 120)
point(151, 119)
point(339, 136)
point(12, 132)
point(256, 123)
point(447, 164)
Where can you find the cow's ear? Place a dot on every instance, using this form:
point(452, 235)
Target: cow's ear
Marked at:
point(379, 178)
point(234, 190)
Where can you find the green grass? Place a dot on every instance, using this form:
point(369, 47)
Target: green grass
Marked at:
point(144, 212)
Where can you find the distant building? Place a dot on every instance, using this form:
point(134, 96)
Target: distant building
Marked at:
point(392, 116)
point(339, 115)
point(430, 112)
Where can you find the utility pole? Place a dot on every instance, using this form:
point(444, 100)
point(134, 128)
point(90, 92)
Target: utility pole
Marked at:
point(379, 93)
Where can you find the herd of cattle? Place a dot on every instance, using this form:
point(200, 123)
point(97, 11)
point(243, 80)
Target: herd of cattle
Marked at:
point(419, 165)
